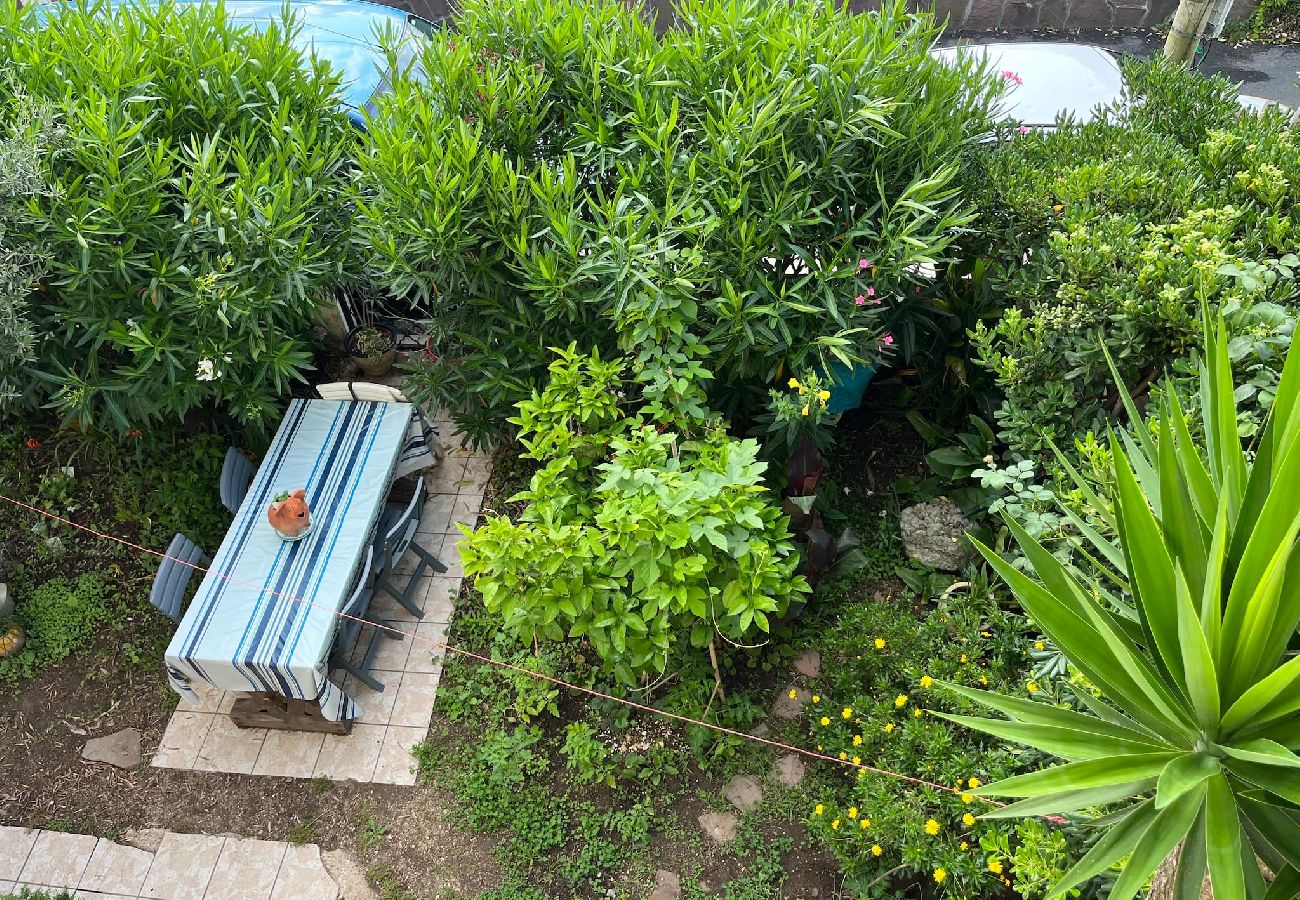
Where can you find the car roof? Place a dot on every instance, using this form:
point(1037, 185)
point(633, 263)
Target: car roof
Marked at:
point(341, 32)
point(1055, 78)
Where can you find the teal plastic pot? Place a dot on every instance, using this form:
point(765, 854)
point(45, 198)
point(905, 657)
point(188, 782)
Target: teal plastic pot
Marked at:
point(852, 383)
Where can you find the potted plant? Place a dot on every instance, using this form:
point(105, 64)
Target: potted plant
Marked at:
point(374, 347)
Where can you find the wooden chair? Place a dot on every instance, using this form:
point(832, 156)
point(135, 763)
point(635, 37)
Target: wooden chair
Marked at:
point(356, 614)
point(421, 448)
point(394, 539)
point(174, 573)
point(236, 476)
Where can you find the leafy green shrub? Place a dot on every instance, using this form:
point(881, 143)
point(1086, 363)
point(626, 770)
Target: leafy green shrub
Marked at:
point(875, 704)
point(731, 197)
point(1113, 233)
point(1184, 626)
point(60, 618)
point(197, 208)
point(637, 540)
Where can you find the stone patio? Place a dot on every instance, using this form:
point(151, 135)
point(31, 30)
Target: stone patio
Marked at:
point(183, 867)
point(392, 722)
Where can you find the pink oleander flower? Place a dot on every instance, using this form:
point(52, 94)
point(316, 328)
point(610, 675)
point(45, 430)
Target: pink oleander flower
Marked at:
point(859, 299)
point(1012, 77)
point(864, 264)
point(887, 339)
point(1023, 129)
point(871, 292)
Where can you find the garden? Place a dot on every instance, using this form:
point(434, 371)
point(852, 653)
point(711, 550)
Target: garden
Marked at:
point(886, 499)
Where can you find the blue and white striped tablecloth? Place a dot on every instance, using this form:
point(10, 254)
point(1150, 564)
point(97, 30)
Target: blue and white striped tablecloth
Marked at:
point(244, 630)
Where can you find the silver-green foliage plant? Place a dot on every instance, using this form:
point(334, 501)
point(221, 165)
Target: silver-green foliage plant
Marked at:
point(645, 543)
point(197, 208)
point(1197, 725)
point(756, 190)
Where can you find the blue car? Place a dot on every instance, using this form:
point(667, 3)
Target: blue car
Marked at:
point(340, 32)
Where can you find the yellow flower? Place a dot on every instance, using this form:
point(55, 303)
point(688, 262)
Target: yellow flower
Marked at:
point(968, 820)
point(836, 825)
point(900, 701)
point(804, 411)
point(853, 812)
point(985, 634)
point(984, 680)
point(857, 740)
point(793, 382)
point(963, 846)
point(825, 721)
point(793, 693)
point(940, 875)
point(931, 827)
point(973, 782)
point(857, 760)
point(995, 866)
point(865, 823)
point(889, 726)
point(823, 396)
point(1058, 208)
point(926, 681)
point(847, 714)
point(862, 773)
point(843, 755)
point(818, 810)
point(964, 659)
point(816, 698)
point(917, 713)
point(880, 643)
point(875, 850)
point(1032, 687)
point(1039, 645)
point(967, 798)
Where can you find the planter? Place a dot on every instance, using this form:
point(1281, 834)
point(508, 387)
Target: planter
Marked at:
point(374, 347)
point(12, 638)
point(6, 602)
point(852, 385)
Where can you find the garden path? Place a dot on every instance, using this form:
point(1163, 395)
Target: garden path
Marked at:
point(182, 867)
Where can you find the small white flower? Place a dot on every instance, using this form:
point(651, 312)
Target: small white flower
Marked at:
point(207, 370)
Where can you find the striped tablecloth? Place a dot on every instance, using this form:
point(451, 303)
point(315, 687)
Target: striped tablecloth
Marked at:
point(246, 628)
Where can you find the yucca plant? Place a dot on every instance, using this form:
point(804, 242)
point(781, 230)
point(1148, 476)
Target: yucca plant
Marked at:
point(1194, 733)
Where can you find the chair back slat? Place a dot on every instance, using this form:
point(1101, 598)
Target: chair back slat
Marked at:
point(399, 536)
point(168, 591)
point(236, 476)
point(359, 602)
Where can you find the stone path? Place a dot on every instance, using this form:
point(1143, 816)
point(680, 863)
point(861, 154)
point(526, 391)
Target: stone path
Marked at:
point(392, 722)
point(183, 867)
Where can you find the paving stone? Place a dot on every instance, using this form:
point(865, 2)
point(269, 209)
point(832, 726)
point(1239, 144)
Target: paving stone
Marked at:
point(396, 765)
point(348, 875)
point(465, 510)
point(7, 887)
point(15, 845)
point(761, 730)
point(744, 793)
point(144, 838)
point(58, 859)
point(787, 707)
point(229, 748)
point(303, 876)
point(447, 476)
point(414, 704)
point(182, 866)
point(449, 555)
point(435, 518)
point(668, 885)
point(427, 648)
point(121, 749)
point(440, 599)
point(182, 740)
point(116, 869)
point(790, 770)
point(808, 663)
point(350, 756)
point(246, 870)
point(376, 706)
point(719, 826)
point(290, 754)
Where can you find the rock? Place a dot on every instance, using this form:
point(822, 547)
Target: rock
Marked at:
point(933, 534)
point(808, 663)
point(144, 838)
point(6, 605)
point(668, 885)
point(761, 730)
point(719, 826)
point(790, 770)
point(744, 793)
point(121, 749)
point(348, 875)
point(787, 707)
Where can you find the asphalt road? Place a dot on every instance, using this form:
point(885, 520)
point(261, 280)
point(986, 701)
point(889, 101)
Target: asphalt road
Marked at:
point(1264, 70)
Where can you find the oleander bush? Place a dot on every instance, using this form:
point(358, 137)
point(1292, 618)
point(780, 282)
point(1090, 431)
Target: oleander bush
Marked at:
point(753, 193)
point(1107, 238)
point(197, 207)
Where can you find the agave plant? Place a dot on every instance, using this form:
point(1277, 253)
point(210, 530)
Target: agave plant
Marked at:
point(1183, 625)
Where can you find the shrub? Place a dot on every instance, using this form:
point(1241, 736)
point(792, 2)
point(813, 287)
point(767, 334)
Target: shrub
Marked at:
point(60, 618)
point(713, 200)
point(1196, 725)
point(636, 539)
point(197, 208)
point(1113, 233)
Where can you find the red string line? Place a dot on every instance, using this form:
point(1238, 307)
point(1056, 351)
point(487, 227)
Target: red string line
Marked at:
point(504, 665)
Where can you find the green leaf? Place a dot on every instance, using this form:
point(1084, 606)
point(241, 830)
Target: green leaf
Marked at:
point(1183, 774)
point(1081, 775)
point(1067, 743)
point(1113, 845)
point(1269, 753)
point(1070, 801)
point(1170, 826)
point(1285, 886)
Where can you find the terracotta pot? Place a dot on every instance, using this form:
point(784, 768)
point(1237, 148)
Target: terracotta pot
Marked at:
point(372, 366)
point(290, 517)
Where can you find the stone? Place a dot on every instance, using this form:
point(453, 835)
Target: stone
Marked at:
point(933, 534)
point(761, 730)
point(744, 793)
point(121, 749)
point(349, 875)
point(144, 838)
point(787, 707)
point(790, 770)
point(668, 885)
point(719, 826)
point(808, 663)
